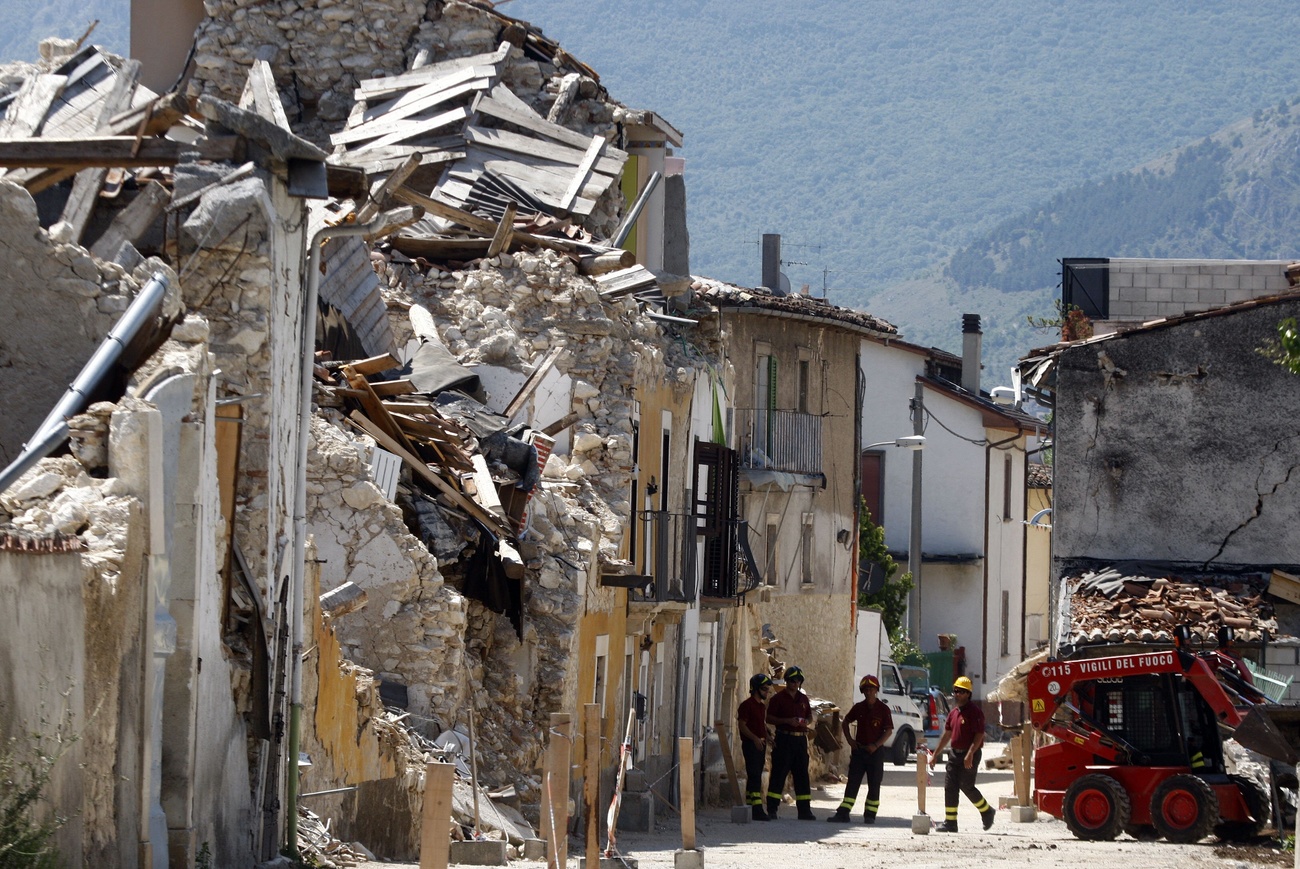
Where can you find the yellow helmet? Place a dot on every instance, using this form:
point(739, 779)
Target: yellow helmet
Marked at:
point(963, 683)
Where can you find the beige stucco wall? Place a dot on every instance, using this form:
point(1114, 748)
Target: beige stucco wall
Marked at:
point(1038, 565)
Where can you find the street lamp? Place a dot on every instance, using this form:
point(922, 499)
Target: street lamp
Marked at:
point(911, 442)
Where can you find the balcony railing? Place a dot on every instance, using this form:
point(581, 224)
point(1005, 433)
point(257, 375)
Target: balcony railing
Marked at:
point(678, 549)
point(779, 440)
point(672, 556)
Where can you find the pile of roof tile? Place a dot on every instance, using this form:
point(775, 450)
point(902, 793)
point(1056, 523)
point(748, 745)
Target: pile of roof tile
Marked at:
point(1111, 607)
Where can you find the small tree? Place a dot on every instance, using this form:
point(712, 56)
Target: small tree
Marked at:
point(891, 598)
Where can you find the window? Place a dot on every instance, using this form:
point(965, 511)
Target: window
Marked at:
point(602, 668)
point(806, 547)
point(804, 384)
point(1006, 487)
point(873, 485)
point(1006, 622)
point(1085, 284)
point(770, 561)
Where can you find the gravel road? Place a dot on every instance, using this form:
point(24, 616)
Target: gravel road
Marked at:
point(788, 842)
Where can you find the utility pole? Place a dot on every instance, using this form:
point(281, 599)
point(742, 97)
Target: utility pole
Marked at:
point(914, 543)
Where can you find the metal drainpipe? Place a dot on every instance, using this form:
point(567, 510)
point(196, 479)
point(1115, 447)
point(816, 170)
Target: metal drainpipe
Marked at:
point(53, 430)
point(297, 596)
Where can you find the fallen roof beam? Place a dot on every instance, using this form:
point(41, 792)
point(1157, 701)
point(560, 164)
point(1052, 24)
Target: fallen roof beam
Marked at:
point(110, 151)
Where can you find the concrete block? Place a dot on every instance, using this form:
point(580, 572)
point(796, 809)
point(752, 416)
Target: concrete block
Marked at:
point(1172, 281)
point(1226, 282)
point(534, 849)
point(612, 863)
point(637, 814)
point(1211, 297)
point(1024, 814)
point(920, 825)
point(485, 852)
point(688, 859)
point(741, 814)
point(634, 781)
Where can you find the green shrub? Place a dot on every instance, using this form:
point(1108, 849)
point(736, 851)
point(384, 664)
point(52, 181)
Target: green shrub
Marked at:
point(27, 827)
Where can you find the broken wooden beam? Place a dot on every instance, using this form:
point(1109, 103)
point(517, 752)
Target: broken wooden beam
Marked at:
point(348, 597)
point(109, 151)
point(530, 385)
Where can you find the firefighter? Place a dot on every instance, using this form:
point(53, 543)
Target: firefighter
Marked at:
point(965, 730)
point(790, 713)
point(751, 719)
point(868, 757)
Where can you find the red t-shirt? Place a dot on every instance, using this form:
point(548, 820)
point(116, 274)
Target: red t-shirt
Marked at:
point(786, 705)
point(873, 720)
point(965, 723)
point(753, 714)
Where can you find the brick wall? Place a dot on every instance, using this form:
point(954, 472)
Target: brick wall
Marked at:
point(1147, 289)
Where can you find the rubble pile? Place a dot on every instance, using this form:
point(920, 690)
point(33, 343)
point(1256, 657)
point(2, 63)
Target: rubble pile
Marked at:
point(1110, 607)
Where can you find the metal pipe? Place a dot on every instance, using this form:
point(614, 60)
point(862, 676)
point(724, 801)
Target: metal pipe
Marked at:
point(381, 225)
point(629, 219)
point(347, 790)
point(53, 430)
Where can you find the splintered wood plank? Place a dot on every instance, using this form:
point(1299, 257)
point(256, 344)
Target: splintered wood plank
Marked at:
point(375, 364)
point(372, 88)
point(109, 151)
point(534, 380)
point(86, 186)
point(377, 161)
point(544, 183)
point(28, 109)
point(472, 221)
point(490, 105)
point(442, 248)
point(423, 471)
point(505, 141)
point(584, 170)
point(389, 132)
point(475, 78)
point(132, 221)
point(393, 387)
point(374, 408)
point(624, 281)
point(262, 96)
point(384, 190)
point(505, 231)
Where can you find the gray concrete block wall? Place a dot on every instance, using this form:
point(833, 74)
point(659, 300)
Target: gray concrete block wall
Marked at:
point(1147, 289)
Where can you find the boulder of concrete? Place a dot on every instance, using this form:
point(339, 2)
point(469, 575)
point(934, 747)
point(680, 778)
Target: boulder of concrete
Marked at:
point(483, 852)
point(921, 825)
point(692, 859)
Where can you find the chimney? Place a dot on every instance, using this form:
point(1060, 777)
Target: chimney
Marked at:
point(971, 339)
point(772, 262)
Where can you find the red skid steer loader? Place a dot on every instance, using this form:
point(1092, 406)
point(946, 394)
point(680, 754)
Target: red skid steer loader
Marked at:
point(1140, 745)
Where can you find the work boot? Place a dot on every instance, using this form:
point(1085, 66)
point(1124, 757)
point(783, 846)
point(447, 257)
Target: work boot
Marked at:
point(946, 827)
point(806, 815)
point(759, 814)
point(869, 817)
point(841, 816)
point(771, 810)
point(988, 816)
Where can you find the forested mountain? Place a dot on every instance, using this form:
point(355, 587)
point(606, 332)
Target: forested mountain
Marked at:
point(882, 138)
point(24, 23)
point(923, 159)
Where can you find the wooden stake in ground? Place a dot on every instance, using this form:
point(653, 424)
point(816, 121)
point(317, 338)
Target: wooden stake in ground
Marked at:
point(591, 779)
point(686, 778)
point(435, 817)
point(921, 821)
point(555, 791)
point(721, 729)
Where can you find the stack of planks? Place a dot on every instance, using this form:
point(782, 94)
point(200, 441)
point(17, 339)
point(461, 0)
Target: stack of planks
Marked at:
point(490, 149)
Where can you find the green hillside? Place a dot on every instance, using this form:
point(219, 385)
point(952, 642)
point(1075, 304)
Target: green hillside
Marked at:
point(882, 138)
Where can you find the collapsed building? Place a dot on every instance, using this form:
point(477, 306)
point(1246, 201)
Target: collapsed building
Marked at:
point(365, 364)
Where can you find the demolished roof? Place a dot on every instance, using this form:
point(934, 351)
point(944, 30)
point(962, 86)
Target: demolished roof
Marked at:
point(795, 306)
point(1135, 606)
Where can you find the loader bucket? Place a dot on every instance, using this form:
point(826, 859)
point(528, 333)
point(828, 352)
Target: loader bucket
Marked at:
point(1273, 731)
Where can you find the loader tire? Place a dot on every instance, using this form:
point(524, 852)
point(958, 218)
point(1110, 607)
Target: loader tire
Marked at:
point(1257, 801)
point(1184, 809)
point(1096, 808)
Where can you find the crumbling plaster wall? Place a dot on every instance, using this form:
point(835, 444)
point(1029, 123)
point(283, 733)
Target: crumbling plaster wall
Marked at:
point(412, 628)
point(1179, 444)
point(59, 304)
